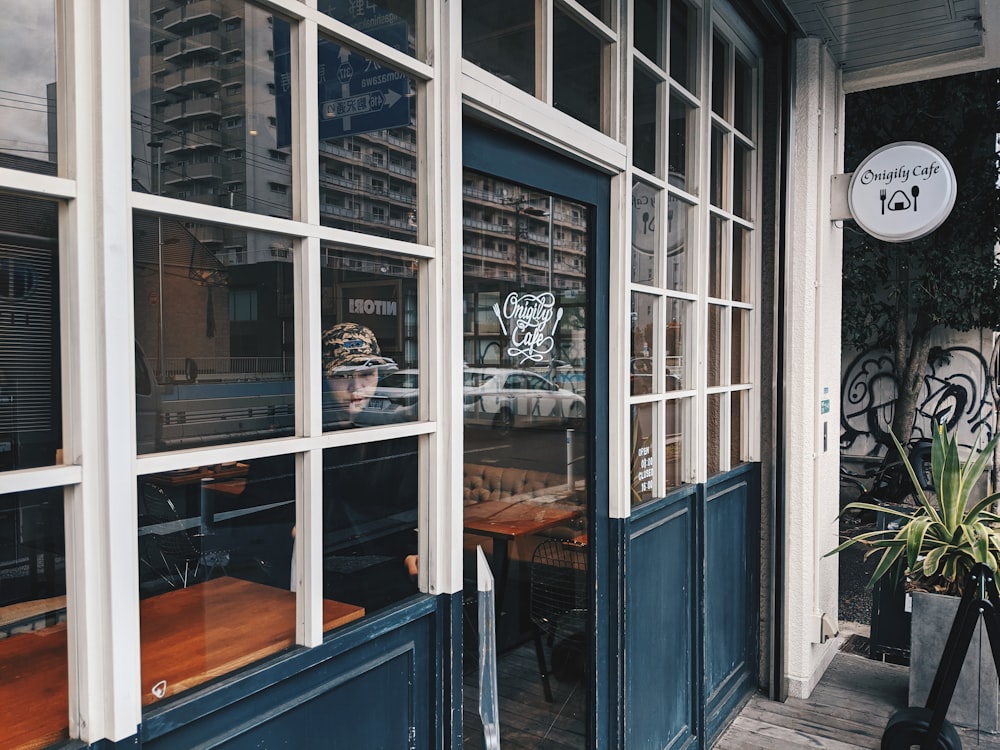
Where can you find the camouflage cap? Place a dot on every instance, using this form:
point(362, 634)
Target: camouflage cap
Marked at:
point(352, 345)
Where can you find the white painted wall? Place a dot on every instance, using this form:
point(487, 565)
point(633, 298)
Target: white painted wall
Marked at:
point(810, 379)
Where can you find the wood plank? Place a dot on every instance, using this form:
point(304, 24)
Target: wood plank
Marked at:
point(189, 636)
point(195, 634)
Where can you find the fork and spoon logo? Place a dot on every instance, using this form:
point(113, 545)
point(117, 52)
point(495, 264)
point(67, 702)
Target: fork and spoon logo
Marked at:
point(899, 200)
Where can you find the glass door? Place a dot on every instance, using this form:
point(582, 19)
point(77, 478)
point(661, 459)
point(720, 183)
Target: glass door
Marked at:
point(528, 484)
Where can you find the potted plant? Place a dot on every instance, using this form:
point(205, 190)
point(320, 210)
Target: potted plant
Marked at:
point(935, 546)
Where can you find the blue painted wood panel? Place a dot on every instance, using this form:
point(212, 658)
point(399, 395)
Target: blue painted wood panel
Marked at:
point(379, 684)
point(661, 685)
point(730, 565)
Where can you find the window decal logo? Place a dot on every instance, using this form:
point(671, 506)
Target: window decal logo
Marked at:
point(530, 322)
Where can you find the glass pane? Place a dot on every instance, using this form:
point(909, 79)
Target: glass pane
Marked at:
point(741, 259)
point(369, 338)
point(576, 71)
point(737, 440)
point(644, 122)
point(717, 177)
point(674, 442)
point(683, 28)
point(367, 149)
point(645, 233)
point(644, 321)
point(743, 94)
point(600, 9)
point(526, 428)
point(370, 523)
point(644, 458)
point(678, 219)
point(682, 141)
point(714, 428)
point(720, 71)
point(28, 61)
point(216, 542)
point(676, 371)
point(33, 656)
point(211, 105)
point(740, 355)
point(715, 345)
point(741, 179)
point(214, 333)
point(392, 22)
point(30, 380)
point(499, 37)
point(647, 29)
point(717, 256)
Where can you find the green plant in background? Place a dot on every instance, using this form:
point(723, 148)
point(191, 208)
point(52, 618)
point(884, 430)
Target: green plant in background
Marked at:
point(939, 542)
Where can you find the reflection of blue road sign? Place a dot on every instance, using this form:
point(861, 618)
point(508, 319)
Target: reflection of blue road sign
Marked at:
point(356, 94)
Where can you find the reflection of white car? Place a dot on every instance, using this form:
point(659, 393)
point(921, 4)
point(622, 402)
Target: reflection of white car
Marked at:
point(503, 398)
point(518, 398)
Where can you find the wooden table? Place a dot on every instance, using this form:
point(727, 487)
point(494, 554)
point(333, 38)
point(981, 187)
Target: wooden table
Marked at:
point(188, 637)
point(506, 521)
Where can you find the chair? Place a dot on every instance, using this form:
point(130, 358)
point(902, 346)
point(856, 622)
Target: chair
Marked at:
point(558, 601)
point(181, 553)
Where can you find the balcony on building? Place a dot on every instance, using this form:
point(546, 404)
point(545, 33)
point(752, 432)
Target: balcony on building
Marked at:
point(200, 77)
point(206, 43)
point(193, 172)
point(178, 19)
point(175, 114)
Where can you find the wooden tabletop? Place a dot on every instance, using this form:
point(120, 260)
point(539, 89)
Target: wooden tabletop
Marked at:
point(511, 520)
point(192, 635)
point(214, 471)
point(189, 636)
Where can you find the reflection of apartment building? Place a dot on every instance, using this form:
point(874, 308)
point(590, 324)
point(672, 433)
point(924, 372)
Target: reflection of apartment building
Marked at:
point(521, 240)
point(213, 133)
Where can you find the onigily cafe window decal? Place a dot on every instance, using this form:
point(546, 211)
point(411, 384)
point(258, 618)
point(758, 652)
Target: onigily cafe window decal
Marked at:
point(530, 322)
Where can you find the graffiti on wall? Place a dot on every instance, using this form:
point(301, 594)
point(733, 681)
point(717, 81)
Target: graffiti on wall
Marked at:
point(956, 391)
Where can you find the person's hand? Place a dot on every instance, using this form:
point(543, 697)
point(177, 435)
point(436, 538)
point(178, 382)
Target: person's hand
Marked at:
point(412, 564)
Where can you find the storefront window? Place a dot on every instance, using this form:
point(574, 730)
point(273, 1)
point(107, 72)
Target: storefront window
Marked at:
point(392, 22)
point(647, 25)
point(28, 115)
point(370, 523)
point(214, 328)
point(30, 380)
point(675, 342)
point(644, 315)
point(678, 257)
point(525, 388)
point(645, 130)
point(683, 44)
point(211, 105)
point(499, 37)
point(644, 456)
point(369, 339)
point(645, 233)
point(682, 140)
point(33, 655)
point(576, 70)
point(367, 148)
point(216, 566)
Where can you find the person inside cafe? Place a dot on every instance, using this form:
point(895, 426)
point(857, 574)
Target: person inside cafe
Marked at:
point(369, 489)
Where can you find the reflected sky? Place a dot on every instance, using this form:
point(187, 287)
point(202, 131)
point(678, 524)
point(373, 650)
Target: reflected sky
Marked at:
point(27, 61)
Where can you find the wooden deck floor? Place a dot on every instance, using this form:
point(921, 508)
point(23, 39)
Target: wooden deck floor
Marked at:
point(527, 720)
point(847, 710)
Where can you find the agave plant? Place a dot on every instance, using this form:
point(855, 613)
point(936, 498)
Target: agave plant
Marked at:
point(941, 543)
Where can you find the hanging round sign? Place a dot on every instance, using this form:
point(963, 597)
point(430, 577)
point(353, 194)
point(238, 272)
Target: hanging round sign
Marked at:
point(902, 191)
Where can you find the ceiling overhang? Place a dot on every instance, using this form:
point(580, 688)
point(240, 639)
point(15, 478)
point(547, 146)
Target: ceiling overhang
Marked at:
point(889, 42)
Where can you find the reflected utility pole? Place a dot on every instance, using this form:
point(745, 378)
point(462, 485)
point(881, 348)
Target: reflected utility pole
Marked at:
point(158, 147)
